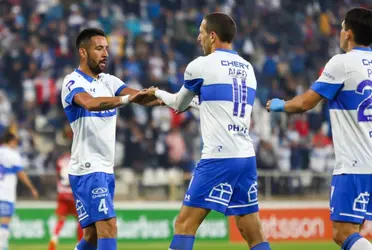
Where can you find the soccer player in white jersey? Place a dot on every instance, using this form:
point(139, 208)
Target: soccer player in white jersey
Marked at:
point(225, 179)
point(90, 98)
point(10, 168)
point(346, 83)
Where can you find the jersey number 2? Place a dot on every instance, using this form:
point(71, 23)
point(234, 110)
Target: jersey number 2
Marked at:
point(240, 96)
point(69, 84)
point(365, 103)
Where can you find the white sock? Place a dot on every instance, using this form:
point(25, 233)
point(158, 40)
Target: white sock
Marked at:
point(362, 244)
point(4, 236)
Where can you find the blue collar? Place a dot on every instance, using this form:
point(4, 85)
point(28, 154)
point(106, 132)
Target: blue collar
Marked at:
point(88, 78)
point(228, 51)
point(362, 49)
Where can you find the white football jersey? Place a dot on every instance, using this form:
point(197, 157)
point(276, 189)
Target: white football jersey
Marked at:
point(347, 83)
point(10, 165)
point(93, 146)
point(226, 86)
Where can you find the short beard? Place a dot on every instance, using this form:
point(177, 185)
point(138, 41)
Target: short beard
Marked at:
point(94, 67)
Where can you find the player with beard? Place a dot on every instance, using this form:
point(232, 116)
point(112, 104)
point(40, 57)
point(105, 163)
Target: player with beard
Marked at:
point(90, 99)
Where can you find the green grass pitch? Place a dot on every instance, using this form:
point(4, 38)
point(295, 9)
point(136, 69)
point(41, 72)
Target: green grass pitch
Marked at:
point(198, 246)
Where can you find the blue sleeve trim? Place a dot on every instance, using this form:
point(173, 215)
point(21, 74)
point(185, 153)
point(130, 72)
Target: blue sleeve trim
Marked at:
point(327, 90)
point(70, 97)
point(117, 93)
point(17, 169)
point(194, 85)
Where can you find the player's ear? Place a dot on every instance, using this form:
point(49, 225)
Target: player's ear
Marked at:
point(82, 52)
point(349, 34)
point(212, 36)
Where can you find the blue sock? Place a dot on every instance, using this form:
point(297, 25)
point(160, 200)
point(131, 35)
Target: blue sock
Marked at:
point(5, 226)
point(107, 244)
point(349, 242)
point(182, 242)
point(84, 245)
point(262, 246)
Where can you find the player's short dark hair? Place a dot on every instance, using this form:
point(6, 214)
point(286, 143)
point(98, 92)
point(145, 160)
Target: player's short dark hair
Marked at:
point(359, 20)
point(8, 137)
point(222, 24)
point(86, 34)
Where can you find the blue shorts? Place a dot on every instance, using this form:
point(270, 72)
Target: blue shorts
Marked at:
point(350, 196)
point(94, 197)
point(6, 209)
point(228, 186)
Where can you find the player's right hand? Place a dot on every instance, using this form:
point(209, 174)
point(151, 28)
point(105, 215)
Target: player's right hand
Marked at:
point(137, 98)
point(35, 194)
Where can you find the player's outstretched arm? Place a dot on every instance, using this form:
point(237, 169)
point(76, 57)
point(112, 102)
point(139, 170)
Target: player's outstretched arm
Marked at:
point(23, 177)
point(91, 103)
point(179, 101)
point(298, 104)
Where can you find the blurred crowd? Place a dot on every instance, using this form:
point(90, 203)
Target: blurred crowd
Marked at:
point(151, 42)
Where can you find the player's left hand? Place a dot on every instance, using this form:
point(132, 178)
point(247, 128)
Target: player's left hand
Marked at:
point(151, 90)
point(276, 105)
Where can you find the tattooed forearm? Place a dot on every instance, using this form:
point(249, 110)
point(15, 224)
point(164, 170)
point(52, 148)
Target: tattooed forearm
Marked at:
point(106, 105)
point(103, 103)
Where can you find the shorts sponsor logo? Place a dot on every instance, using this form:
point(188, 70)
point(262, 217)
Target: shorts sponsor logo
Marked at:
point(99, 192)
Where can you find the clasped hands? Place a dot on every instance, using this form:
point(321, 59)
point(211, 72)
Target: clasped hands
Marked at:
point(146, 97)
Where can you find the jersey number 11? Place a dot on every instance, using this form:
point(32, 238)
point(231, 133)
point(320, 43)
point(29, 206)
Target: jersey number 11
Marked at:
point(240, 96)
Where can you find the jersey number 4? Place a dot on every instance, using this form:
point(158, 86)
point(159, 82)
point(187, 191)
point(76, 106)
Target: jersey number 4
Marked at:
point(102, 206)
point(240, 96)
point(366, 102)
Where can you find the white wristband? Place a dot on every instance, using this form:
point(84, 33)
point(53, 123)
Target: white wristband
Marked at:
point(124, 100)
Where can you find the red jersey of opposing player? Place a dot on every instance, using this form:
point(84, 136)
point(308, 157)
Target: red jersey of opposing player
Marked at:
point(65, 199)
